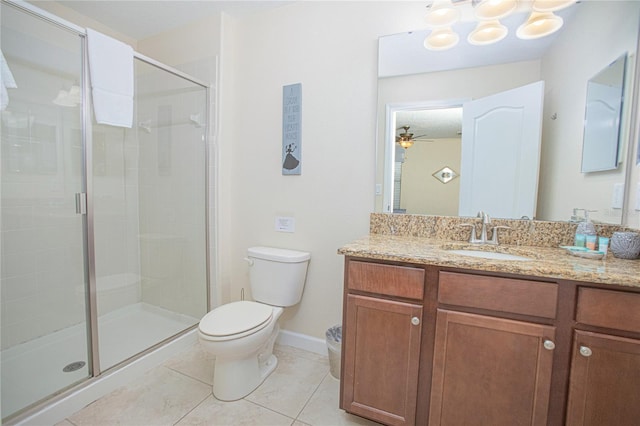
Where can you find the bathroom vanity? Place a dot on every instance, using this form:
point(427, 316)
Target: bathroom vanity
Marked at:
point(434, 337)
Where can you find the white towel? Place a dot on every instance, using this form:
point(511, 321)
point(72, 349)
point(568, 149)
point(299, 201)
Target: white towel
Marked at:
point(111, 70)
point(6, 82)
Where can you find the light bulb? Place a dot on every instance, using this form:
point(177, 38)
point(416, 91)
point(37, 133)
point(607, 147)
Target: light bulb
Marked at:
point(494, 9)
point(441, 39)
point(539, 25)
point(442, 14)
point(487, 32)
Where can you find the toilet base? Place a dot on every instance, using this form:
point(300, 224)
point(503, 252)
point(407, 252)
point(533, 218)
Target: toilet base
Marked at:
point(234, 379)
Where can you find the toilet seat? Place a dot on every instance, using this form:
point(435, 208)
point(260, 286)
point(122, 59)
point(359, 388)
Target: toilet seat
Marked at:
point(235, 320)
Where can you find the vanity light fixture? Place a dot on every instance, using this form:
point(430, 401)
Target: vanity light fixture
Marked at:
point(443, 14)
point(538, 25)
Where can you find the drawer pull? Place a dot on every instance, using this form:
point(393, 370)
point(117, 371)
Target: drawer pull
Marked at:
point(415, 321)
point(585, 351)
point(549, 345)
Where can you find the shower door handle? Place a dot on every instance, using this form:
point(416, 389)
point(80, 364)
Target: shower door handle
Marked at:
point(81, 203)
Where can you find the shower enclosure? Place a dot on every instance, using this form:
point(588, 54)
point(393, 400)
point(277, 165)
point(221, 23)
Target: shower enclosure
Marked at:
point(104, 248)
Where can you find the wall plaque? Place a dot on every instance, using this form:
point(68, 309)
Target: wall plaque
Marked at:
point(291, 129)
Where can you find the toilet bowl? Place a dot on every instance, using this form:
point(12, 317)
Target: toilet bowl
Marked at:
point(241, 334)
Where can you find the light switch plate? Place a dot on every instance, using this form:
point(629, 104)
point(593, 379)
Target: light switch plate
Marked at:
point(618, 196)
point(285, 224)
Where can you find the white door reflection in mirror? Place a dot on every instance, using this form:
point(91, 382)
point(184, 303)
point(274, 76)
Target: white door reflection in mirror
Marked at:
point(501, 153)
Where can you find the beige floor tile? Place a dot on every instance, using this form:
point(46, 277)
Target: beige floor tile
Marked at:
point(161, 397)
point(291, 385)
point(65, 422)
point(285, 352)
point(237, 413)
point(194, 362)
point(323, 408)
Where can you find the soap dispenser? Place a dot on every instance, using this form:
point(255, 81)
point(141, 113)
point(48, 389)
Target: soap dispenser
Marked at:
point(586, 235)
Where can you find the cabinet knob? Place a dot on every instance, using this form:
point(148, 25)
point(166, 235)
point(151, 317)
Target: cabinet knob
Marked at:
point(549, 345)
point(415, 320)
point(585, 351)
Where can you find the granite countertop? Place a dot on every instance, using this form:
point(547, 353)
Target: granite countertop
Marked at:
point(548, 262)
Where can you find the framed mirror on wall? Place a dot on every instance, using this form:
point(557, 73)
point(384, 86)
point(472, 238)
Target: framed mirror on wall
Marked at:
point(410, 75)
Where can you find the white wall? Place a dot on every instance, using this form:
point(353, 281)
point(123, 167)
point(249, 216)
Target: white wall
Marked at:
point(79, 19)
point(331, 49)
point(420, 190)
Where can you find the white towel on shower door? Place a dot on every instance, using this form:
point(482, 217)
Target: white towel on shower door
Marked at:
point(111, 71)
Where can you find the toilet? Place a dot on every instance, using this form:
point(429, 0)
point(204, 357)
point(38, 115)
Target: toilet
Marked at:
point(241, 334)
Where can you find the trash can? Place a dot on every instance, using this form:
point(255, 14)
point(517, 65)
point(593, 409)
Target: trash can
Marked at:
point(334, 344)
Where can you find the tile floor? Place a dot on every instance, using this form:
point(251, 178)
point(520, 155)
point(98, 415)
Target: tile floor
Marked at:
point(299, 392)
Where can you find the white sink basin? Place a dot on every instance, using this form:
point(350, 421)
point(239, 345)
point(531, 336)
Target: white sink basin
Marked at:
point(489, 255)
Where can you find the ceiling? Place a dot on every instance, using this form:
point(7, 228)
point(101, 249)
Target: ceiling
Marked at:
point(440, 123)
point(140, 19)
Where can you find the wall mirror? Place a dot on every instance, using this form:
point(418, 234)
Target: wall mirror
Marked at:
point(602, 118)
point(415, 84)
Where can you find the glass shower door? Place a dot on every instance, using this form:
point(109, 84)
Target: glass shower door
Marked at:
point(43, 273)
point(149, 217)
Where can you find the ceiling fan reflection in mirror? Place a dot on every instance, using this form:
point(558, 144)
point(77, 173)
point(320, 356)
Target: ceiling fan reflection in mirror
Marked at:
point(406, 139)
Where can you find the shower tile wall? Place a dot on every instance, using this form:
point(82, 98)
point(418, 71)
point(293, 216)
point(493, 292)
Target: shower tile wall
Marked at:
point(42, 246)
point(171, 193)
point(115, 197)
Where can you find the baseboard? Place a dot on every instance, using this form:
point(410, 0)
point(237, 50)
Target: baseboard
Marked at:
point(302, 341)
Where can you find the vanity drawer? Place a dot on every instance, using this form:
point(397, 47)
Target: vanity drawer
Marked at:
point(609, 309)
point(390, 280)
point(511, 295)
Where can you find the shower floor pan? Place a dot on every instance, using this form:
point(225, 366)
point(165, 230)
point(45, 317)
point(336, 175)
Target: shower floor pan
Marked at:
point(33, 370)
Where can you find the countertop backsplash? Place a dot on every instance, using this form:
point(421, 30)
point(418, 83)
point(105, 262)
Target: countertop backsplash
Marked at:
point(522, 232)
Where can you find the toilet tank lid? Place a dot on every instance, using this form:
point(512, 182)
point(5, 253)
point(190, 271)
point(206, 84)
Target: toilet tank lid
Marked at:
point(278, 254)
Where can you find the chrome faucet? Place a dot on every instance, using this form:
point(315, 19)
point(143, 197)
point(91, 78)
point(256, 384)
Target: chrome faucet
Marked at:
point(486, 220)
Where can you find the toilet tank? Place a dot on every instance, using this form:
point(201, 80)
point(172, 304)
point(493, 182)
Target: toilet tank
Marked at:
point(276, 275)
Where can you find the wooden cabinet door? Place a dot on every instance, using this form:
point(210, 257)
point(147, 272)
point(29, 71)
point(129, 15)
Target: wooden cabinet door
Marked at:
point(381, 359)
point(604, 387)
point(490, 371)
